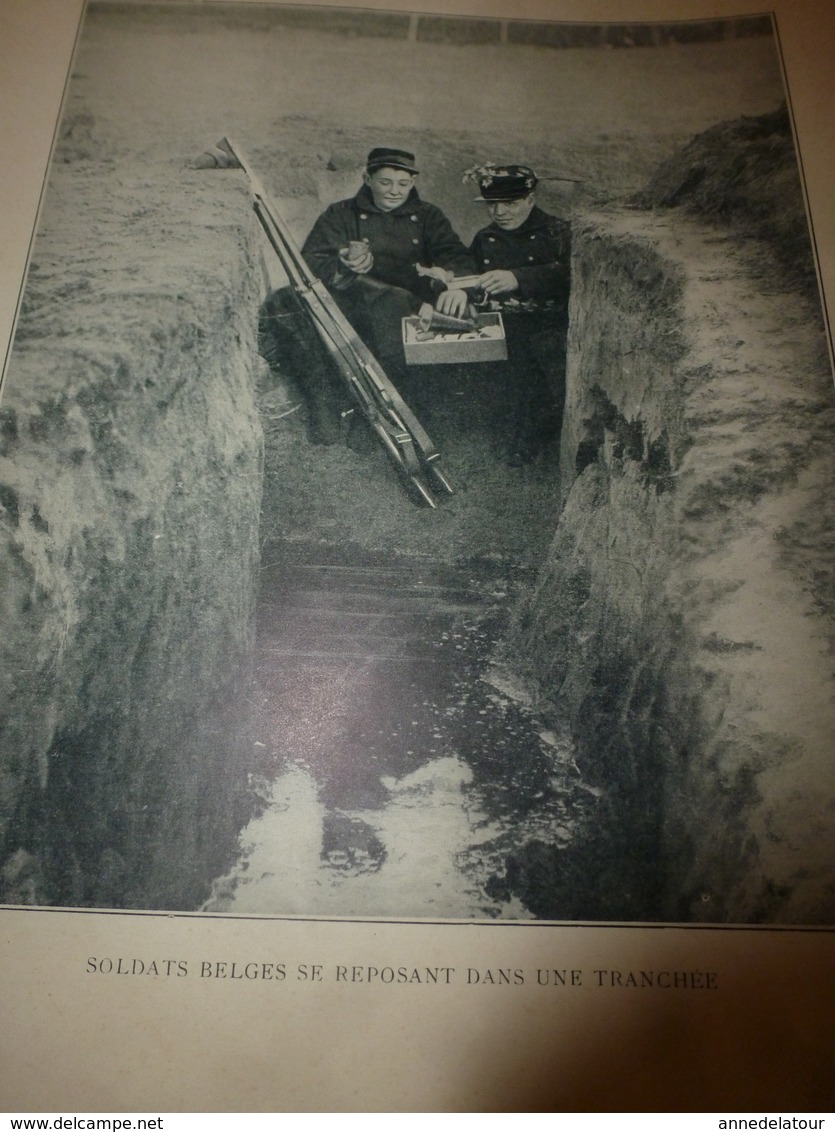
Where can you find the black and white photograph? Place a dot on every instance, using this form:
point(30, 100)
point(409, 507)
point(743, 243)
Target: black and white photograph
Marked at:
point(416, 476)
point(416, 561)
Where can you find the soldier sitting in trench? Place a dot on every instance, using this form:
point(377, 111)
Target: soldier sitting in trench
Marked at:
point(368, 250)
point(524, 256)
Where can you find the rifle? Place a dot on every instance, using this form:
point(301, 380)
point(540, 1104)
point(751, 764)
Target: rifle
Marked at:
point(407, 444)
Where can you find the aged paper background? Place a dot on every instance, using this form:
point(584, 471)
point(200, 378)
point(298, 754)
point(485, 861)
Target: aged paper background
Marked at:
point(72, 1040)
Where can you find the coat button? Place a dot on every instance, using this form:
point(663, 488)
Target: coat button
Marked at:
point(530, 259)
point(492, 239)
point(363, 216)
point(486, 262)
point(533, 237)
point(415, 240)
point(414, 217)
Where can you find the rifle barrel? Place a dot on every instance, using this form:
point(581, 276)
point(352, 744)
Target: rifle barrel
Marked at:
point(392, 419)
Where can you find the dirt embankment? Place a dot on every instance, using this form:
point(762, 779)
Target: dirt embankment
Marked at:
point(131, 484)
point(683, 622)
point(678, 625)
point(742, 173)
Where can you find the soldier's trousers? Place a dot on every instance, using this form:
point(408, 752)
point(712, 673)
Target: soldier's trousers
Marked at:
point(376, 311)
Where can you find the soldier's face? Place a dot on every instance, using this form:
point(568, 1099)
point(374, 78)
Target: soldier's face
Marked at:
point(509, 214)
point(389, 187)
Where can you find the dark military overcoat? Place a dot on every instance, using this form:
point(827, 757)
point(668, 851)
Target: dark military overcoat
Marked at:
point(538, 253)
point(535, 316)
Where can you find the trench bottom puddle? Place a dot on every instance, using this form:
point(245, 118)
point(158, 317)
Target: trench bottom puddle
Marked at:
point(401, 771)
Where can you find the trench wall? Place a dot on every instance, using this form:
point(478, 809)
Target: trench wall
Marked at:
point(682, 623)
point(130, 485)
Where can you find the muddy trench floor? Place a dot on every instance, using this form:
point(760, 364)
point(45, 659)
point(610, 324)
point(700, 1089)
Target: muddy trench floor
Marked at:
point(402, 772)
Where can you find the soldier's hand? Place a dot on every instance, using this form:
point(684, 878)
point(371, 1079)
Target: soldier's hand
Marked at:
point(452, 303)
point(499, 282)
point(357, 257)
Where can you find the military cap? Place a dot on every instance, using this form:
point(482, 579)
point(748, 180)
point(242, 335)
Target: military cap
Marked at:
point(383, 157)
point(505, 182)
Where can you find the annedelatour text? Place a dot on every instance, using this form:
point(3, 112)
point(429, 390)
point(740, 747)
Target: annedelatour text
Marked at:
point(772, 1122)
